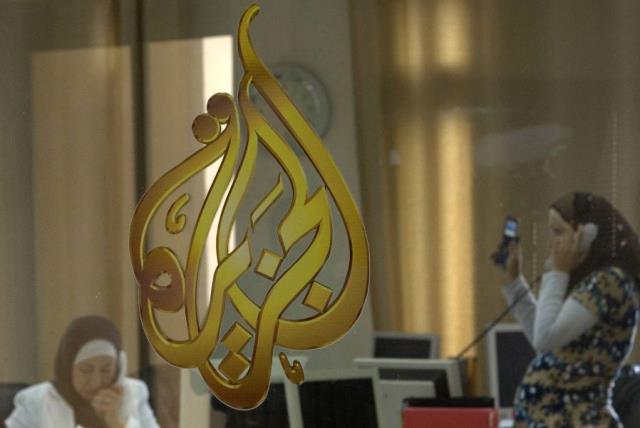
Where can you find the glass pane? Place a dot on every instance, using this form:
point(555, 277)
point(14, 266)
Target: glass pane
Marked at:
point(452, 123)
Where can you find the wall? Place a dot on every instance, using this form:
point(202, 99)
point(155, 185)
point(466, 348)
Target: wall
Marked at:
point(17, 290)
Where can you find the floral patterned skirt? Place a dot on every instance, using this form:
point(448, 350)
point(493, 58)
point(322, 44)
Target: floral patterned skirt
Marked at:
point(537, 406)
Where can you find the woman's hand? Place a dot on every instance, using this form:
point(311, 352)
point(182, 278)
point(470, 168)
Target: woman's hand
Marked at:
point(566, 252)
point(108, 403)
point(513, 267)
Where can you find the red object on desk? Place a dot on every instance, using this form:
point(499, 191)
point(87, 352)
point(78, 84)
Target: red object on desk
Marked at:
point(450, 417)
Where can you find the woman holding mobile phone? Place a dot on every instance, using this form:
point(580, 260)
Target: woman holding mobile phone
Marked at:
point(582, 323)
point(89, 388)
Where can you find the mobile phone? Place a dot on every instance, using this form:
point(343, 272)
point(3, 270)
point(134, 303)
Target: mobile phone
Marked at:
point(589, 234)
point(122, 371)
point(510, 233)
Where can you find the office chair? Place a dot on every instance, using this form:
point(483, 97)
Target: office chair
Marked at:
point(7, 392)
point(626, 396)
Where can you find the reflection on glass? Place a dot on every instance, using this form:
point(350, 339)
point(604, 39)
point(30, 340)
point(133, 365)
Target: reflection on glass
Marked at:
point(472, 113)
point(455, 230)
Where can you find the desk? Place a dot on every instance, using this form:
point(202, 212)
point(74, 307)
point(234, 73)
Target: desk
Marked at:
point(393, 392)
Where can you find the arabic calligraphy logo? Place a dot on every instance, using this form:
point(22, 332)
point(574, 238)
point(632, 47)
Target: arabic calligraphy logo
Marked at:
point(242, 382)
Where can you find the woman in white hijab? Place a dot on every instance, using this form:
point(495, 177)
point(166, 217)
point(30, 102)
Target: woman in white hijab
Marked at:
point(89, 389)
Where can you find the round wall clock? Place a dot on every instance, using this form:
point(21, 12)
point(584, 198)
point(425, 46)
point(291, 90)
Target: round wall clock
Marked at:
point(306, 91)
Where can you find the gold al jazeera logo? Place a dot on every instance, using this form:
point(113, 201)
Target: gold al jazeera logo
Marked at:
point(241, 379)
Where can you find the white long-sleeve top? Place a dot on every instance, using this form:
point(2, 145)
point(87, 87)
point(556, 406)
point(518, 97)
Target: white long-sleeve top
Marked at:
point(551, 321)
point(41, 405)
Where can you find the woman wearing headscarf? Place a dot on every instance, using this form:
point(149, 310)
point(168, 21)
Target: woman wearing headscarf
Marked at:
point(582, 323)
point(89, 388)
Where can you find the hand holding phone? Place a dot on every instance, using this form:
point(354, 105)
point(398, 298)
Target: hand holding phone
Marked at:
point(510, 236)
point(110, 402)
point(588, 234)
point(567, 254)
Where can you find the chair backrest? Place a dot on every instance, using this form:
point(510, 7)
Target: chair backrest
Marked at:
point(626, 396)
point(7, 392)
point(509, 353)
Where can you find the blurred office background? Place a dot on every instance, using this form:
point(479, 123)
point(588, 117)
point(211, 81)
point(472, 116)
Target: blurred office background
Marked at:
point(445, 116)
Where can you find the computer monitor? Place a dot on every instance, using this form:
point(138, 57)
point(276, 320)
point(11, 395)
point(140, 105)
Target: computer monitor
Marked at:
point(391, 344)
point(339, 397)
point(272, 413)
point(508, 356)
point(444, 373)
point(281, 408)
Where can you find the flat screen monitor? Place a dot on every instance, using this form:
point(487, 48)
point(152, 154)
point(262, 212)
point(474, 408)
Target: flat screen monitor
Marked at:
point(508, 356)
point(339, 398)
point(443, 373)
point(272, 413)
point(390, 344)
point(279, 410)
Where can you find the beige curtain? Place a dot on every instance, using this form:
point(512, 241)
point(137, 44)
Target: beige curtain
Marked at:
point(416, 161)
point(83, 183)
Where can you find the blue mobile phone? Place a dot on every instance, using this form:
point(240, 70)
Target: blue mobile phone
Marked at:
point(510, 233)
